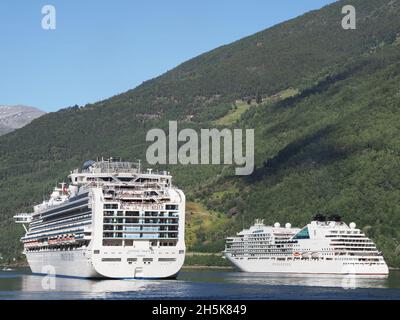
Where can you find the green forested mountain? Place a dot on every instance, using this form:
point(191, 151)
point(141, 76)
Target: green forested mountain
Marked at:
point(332, 145)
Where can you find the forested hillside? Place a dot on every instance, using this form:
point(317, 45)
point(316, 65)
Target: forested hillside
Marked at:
point(324, 103)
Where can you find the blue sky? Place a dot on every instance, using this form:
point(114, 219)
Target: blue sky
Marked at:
point(101, 48)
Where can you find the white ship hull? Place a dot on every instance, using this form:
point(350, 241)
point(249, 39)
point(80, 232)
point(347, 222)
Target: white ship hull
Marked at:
point(307, 267)
point(79, 263)
point(62, 263)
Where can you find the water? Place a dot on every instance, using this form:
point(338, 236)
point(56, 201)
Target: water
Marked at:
point(200, 284)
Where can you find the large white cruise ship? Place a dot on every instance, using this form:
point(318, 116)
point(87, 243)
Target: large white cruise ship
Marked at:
point(321, 247)
point(111, 221)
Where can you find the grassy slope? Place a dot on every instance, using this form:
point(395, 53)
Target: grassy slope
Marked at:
point(233, 115)
point(203, 228)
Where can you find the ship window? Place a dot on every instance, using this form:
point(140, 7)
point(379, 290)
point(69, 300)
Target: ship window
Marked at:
point(303, 234)
point(125, 179)
point(166, 259)
point(111, 259)
point(132, 213)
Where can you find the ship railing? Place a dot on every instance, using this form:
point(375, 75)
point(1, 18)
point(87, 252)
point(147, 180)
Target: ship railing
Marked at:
point(134, 206)
point(118, 167)
point(138, 188)
point(23, 218)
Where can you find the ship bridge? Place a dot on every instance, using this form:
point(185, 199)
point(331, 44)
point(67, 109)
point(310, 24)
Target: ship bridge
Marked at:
point(23, 218)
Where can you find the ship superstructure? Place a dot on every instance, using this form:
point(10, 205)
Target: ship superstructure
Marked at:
point(111, 220)
point(321, 247)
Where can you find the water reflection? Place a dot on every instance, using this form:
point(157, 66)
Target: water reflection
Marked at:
point(94, 288)
point(38, 283)
point(201, 284)
point(345, 282)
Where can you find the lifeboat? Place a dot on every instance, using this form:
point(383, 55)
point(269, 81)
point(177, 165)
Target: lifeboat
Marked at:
point(315, 255)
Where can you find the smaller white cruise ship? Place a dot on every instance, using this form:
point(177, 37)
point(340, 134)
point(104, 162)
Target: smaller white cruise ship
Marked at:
point(321, 247)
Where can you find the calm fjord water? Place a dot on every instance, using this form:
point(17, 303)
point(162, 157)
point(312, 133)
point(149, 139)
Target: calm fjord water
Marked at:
point(201, 284)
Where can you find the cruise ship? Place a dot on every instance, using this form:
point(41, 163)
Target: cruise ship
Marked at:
point(321, 247)
point(111, 221)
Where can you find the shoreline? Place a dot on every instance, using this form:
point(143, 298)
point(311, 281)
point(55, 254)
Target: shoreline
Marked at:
point(184, 267)
point(195, 266)
point(207, 267)
point(189, 267)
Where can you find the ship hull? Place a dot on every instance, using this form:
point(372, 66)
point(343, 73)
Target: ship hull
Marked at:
point(307, 267)
point(81, 264)
point(72, 263)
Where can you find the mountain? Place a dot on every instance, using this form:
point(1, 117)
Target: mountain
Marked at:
point(15, 117)
point(324, 103)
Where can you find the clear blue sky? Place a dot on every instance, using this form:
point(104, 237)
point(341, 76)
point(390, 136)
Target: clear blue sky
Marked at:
point(101, 48)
